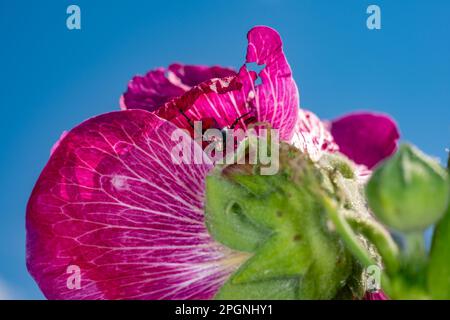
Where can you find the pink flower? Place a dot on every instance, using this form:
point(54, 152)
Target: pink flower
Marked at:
point(230, 96)
point(366, 138)
point(112, 202)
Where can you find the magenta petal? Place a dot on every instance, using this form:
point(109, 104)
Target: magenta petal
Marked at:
point(112, 202)
point(274, 101)
point(277, 98)
point(161, 85)
point(366, 138)
point(152, 90)
point(192, 75)
point(206, 100)
point(311, 135)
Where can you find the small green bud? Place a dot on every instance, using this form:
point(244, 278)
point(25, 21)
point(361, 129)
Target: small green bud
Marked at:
point(409, 191)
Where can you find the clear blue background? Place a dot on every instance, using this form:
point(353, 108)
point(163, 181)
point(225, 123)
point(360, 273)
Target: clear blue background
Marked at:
point(53, 78)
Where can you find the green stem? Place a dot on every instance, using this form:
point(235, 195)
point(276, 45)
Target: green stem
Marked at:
point(380, 238)
point(354, 245)
point(347, 234)
point(415, 251)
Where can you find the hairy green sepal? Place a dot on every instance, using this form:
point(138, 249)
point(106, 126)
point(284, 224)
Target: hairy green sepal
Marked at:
point(283, 221)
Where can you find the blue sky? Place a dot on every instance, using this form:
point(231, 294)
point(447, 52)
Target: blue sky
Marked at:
point(53, 78)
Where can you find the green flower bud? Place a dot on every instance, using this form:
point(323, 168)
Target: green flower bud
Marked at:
point(409, 191)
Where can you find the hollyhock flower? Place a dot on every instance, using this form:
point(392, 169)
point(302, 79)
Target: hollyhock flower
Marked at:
point(275, 100)
point(111, 202)
point(364, 137)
